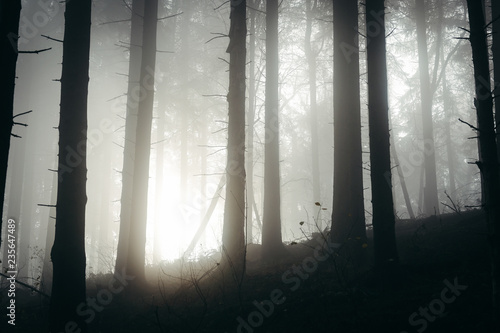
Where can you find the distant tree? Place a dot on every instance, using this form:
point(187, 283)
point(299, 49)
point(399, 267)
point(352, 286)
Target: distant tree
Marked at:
point(431, 202)
point(488, 158)
point(233, 241)
point(68, 252)
point(384, 238)
point(254, 5)
point(139, 210)
point(130, 131)
point(348, 214)
point(10, 11)
point(271, 222)
point(311, 55)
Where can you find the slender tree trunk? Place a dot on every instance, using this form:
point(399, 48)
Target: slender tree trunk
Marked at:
point(402, 179)
point(384, 238)
point(9, 29)
point(15, 198)
point(271, 223)
point(488, 160)
point(348, 215)
point(313, 108)
point(233, 239)
point(130, 130)
point(431, 202)
point(495, 8)
point(250, 123)
point(450, 152)
point(139, 211)
point(68, 252)
point(49, 240)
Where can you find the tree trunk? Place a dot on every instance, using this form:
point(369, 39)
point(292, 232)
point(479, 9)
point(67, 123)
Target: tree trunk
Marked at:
point(313, 108)
point(9, 28)
point(133, 91)
point(348, 215)
point(401, 175)
point(431, 202)
point(250, 123)
point(384, 238)
point(271, 224)
point(233, 239)
point(68, 252)
point(49, 240)
point(488, 160)
point(15, 198)
point(495, 9)
point(139, 211)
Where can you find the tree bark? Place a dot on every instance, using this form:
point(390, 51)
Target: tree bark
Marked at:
point(233, 239)
point(139, 210)
point(348, 215)
point(384, 238)
point(431, 202)
point(68, 252)
point(271, 223)
point(9, 30)
point(488, 160)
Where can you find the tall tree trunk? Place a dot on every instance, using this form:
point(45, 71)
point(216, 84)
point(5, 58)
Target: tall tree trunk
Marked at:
point(9, 29)
point(271, 223)
point(348, 215)
point(313, 108)
point(250, 123)
point(495, 9)
point(431, 203)
point(139, 211)
point(49, 240)
point(185, 110)
point(450, 152)
point(18, 154)
point(133, 91)
point(68, 252)
point(233, 240)
point(488, 160)
point(384, 238)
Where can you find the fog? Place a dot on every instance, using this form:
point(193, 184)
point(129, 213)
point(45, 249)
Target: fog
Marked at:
point(188, 168)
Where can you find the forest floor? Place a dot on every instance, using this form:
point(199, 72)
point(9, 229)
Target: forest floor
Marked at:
point(443, 286)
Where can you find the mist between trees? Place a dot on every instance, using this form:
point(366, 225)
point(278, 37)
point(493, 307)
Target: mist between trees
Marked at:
point(139, 134)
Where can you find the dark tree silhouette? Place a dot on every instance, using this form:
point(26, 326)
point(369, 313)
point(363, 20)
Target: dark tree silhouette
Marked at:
point(68, 252)
point(488, 158)
point(495, 48)
point(271, 222)
point(233, 241)
point(130, 129)
point(384, 238)
point(139, 212)
point(9, 28)
point(348, 215)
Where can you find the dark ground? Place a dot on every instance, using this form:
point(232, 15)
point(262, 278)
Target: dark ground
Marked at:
point(435, 253)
